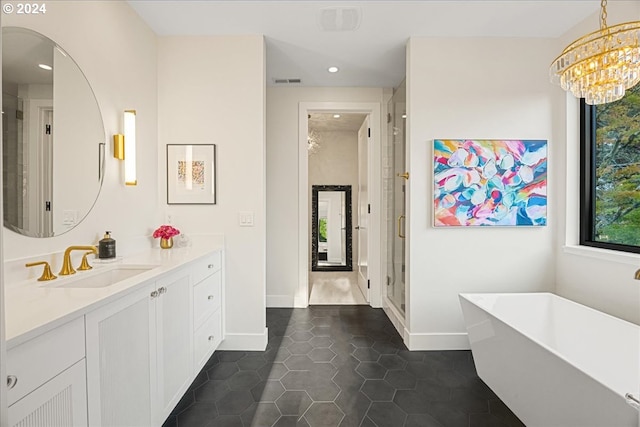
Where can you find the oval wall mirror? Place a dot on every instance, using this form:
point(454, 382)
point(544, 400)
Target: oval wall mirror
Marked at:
point(53, 137)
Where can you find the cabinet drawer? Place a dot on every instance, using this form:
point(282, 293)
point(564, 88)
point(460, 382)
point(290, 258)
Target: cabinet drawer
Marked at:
point(38, 360)
point(206, 298)
point(206, 266)
point(207, 338)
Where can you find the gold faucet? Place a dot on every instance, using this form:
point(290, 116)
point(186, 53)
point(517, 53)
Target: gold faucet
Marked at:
point(67, 268)
point(46, 273)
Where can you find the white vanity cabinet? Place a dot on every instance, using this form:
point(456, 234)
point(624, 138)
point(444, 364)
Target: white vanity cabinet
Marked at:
point(121, 340)
point(174, 345)
point(207, 312)
point(46, 379)
point(141, 355)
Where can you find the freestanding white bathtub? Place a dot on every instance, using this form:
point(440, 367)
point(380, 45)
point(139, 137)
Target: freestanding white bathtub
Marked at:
point(553, 362)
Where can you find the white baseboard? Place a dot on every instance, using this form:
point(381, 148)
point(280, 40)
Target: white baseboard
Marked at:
point(280, 301)
point(245, 342)
point(396, 319)
point(437, 341)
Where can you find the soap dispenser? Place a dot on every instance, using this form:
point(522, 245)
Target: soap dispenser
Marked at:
point(107, 247)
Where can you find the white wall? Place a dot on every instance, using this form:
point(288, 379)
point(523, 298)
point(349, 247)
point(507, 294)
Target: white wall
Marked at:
point(211, 90)
point(282, 181)
point(117, 53)
point(472, 88)
point(595, 277)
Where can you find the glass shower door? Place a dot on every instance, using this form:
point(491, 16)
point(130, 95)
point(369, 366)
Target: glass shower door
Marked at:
point(395, 199)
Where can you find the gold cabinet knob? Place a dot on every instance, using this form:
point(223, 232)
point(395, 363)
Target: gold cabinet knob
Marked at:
point(46, 272)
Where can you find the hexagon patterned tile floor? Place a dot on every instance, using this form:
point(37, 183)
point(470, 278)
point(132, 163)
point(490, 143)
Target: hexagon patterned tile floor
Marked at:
point(339, 366)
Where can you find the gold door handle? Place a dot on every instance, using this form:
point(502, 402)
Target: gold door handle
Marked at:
point(404, 175)
point(400, 235)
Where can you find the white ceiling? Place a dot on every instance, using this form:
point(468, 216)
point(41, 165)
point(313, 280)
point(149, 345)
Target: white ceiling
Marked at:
point(373, 54)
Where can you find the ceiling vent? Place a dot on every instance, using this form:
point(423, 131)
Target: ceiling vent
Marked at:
point(339, 18)
point(287, 81)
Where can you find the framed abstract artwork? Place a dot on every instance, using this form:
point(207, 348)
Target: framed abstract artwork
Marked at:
point(191, 174)
point(489, 182)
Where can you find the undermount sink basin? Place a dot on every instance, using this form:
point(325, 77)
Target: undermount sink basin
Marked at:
point(102, 278)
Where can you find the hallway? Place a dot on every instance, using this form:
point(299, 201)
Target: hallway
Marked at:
point(329, 366)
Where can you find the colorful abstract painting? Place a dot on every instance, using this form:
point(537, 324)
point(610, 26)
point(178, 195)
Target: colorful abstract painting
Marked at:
point(479, 182)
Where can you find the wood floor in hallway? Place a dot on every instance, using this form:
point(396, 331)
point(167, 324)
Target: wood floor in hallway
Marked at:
point(335, 288)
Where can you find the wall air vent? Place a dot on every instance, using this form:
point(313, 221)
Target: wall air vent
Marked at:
point(339, 18)
point(287, 81)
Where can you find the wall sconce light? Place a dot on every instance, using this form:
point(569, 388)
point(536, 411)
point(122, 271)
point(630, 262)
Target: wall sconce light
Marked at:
point(124, 147)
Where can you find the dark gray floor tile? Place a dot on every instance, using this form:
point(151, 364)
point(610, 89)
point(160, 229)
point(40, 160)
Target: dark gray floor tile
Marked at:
point(392, 361)
point(232, 403)
point(500, 410)
point(252, 362)
point(299, 363)
point(321, 331)
point(227, 421)
point(486, 420)
point(448, 414)
point(386, 414)
point(198, 415)
point(371, 370)
point(366, 354)
point(321, 355)
point(287, 421)
point(468, 401)
point(401, 380)
point(432, 391)
point(222, 371)
point(231, 356)
point(303, 326)
point(385, 347)
point(420, 370)
point(296, 380)
point(300, 348)
point(321, 342)
point(362, 341)
point(422, 420)
point(273, 371)
point(301, 336)
point(323, 382)
point(324, 414)
point(243, 380)
point(211, 391)
point(411, 402)
point(263, 414)
point(294, 403)
point(378, 390)
point(267, 391)
point(323, 390)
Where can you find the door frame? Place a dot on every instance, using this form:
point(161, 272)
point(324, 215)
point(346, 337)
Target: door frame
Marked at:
point(373, 109)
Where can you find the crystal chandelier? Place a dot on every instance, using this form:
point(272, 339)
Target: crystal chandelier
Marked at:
point(600, 66)
point(313, 141)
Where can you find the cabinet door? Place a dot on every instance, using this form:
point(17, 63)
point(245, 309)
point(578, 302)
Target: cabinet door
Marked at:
point(120, 360)
point(174, 340)
point(61, 401)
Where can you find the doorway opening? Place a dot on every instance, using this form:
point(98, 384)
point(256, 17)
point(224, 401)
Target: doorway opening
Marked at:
point(338, 166)
point(339, 204)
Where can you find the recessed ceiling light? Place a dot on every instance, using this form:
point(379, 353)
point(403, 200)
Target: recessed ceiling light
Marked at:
point(333, 69)
point(45, 67)
point(336, 116)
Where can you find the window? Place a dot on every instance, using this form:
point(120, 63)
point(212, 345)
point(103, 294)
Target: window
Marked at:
point(610, 174)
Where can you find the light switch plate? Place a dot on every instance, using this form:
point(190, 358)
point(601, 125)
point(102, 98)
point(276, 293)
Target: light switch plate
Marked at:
point(245, 219)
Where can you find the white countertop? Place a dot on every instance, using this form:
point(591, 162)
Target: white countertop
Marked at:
point(32, 307)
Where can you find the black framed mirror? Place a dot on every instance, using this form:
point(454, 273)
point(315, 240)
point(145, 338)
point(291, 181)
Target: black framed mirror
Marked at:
point(331, 230)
